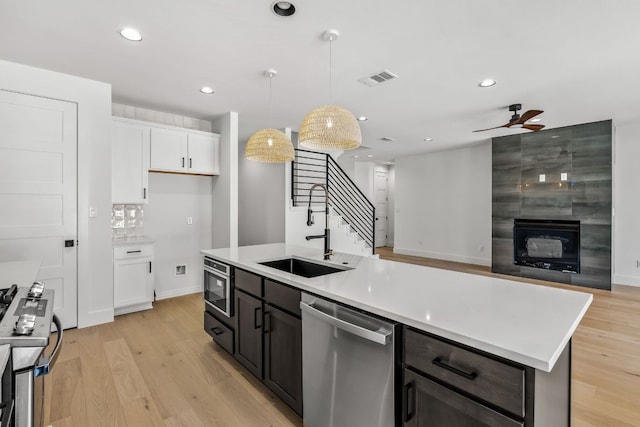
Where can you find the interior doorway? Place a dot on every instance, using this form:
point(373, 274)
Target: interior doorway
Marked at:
point(38, 192)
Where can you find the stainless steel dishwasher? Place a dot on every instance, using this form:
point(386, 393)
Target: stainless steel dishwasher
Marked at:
point(348, 366)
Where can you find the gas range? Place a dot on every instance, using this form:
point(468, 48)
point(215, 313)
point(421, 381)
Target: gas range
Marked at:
point(26, 315)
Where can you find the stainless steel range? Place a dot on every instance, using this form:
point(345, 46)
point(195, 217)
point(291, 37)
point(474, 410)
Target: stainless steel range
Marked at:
point(26, 316)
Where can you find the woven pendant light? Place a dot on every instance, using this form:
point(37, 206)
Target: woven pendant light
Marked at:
point(269, 145)
point(330, 127)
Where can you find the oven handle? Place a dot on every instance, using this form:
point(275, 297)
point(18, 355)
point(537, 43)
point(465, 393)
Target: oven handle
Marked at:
point(46, 362)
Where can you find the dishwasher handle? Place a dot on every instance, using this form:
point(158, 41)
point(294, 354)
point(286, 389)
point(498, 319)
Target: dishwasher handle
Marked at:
point(380, 336)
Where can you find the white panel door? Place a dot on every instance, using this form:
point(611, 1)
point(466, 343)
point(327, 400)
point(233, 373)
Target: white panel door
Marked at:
point(380, 202)
point(130, 163)
point(38, 207)
point(168, 150)
point(203, 154)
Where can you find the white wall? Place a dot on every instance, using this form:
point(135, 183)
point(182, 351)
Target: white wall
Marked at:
point(391, 207)
point(261, 202)
point(172, 199)
point(626, 181)
point(443, 205)
point(95, 268)
point(225, 186)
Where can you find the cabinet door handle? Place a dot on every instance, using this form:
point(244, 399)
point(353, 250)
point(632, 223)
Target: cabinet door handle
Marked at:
point(267, 322)
point(256, 316)
point(409, 401)
point(183, 162)
point(149, 267)
point(134, 252)
point(216, 331)
point(468, 375)
point(190, 163)
point(144, 193)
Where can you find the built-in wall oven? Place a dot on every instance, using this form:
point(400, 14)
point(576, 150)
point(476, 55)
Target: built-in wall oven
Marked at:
point(218, 286)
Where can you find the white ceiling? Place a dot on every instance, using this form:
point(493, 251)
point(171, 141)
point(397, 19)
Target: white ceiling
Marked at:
point(576, 59)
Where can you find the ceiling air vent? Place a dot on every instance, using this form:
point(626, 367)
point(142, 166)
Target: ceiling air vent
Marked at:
point(376, 79)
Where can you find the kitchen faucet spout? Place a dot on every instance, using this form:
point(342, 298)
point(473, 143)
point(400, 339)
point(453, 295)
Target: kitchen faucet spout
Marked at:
point(326, 236)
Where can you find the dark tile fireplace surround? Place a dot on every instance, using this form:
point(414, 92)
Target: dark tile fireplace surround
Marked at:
point(560, 177)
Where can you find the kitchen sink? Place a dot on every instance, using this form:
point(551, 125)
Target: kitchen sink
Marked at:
point(302, 267)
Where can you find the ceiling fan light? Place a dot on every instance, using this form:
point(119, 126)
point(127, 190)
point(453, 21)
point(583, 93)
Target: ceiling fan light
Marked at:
point(269, 146)
point(330, 128)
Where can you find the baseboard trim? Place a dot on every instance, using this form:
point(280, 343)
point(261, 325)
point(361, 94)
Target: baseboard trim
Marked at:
point(177, 292)
point(445, 257)
point(93, 318)
point(622, 279)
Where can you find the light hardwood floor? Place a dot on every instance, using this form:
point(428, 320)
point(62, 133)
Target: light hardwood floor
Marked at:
point(159, 368)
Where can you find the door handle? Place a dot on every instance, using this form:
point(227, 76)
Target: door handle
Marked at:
point(409, 397)
point(149, 266)
point(69, 243)
point(183, 162)
point(144, 193)
point(267, 322)
point(468, 375)
point(256, 317)
point(190, 163)
point(216, 331)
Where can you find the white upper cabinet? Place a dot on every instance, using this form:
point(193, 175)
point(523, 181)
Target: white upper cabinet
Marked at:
point(203, 152)
point(184, 151)
point(129, 163)
point(168, 150)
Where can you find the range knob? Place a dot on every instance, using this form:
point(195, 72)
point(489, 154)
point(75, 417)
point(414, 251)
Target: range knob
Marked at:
point(25, 324)
point(36, 290)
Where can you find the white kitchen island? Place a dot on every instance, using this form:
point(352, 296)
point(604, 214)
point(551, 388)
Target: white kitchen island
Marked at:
point(528, 324)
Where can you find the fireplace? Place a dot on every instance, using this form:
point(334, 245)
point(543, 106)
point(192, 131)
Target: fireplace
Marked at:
point(547, 244)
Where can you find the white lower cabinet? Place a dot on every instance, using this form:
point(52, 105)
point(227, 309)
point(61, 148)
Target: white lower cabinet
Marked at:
point(132, 278)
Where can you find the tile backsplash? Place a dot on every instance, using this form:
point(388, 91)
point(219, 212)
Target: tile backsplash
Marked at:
point(127, 221)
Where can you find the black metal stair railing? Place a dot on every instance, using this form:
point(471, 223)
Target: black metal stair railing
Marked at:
point(347, 200)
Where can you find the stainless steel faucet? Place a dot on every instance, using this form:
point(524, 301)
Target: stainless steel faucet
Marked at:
point(327, 250)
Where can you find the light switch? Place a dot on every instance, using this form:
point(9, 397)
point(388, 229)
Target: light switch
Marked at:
point(93, 212)
point(563, 176)
point(189, 220)
point(542, 177)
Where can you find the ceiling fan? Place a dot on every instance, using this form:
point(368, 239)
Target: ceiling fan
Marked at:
point(519, 121)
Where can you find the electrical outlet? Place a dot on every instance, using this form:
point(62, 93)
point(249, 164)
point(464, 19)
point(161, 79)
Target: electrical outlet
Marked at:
point(181, 270)
point(189, 220)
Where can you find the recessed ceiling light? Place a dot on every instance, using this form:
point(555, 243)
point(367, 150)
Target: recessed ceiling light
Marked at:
point(283, 8)
point(487, 83)
point(428, 139)
point(207, 90)
point(555, 136)
point(131, 34)
point(362, 119)
point(535, 120)
point(355, 156)
point(369, 155)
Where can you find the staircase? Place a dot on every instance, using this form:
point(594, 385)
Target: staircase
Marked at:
point(352, 215)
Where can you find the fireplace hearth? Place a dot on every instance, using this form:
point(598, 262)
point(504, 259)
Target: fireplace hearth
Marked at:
point(547, 244)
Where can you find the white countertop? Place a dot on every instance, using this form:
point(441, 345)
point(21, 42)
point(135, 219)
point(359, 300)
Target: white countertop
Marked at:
point(529, 324)
point(132, 241)
point(21, 273)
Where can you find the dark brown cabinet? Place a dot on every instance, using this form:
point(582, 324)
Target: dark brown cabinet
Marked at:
point(446, 383)
point(249, 332)
point(427, 404)
point(283, 356)
point(268, 334)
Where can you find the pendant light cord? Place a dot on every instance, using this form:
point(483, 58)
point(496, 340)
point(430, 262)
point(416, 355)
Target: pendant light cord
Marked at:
point(270, 102)
point(330, 72)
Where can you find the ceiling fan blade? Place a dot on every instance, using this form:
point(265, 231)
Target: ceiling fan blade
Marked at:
point(497, 127)
point(528, 116)
point(534, 128)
